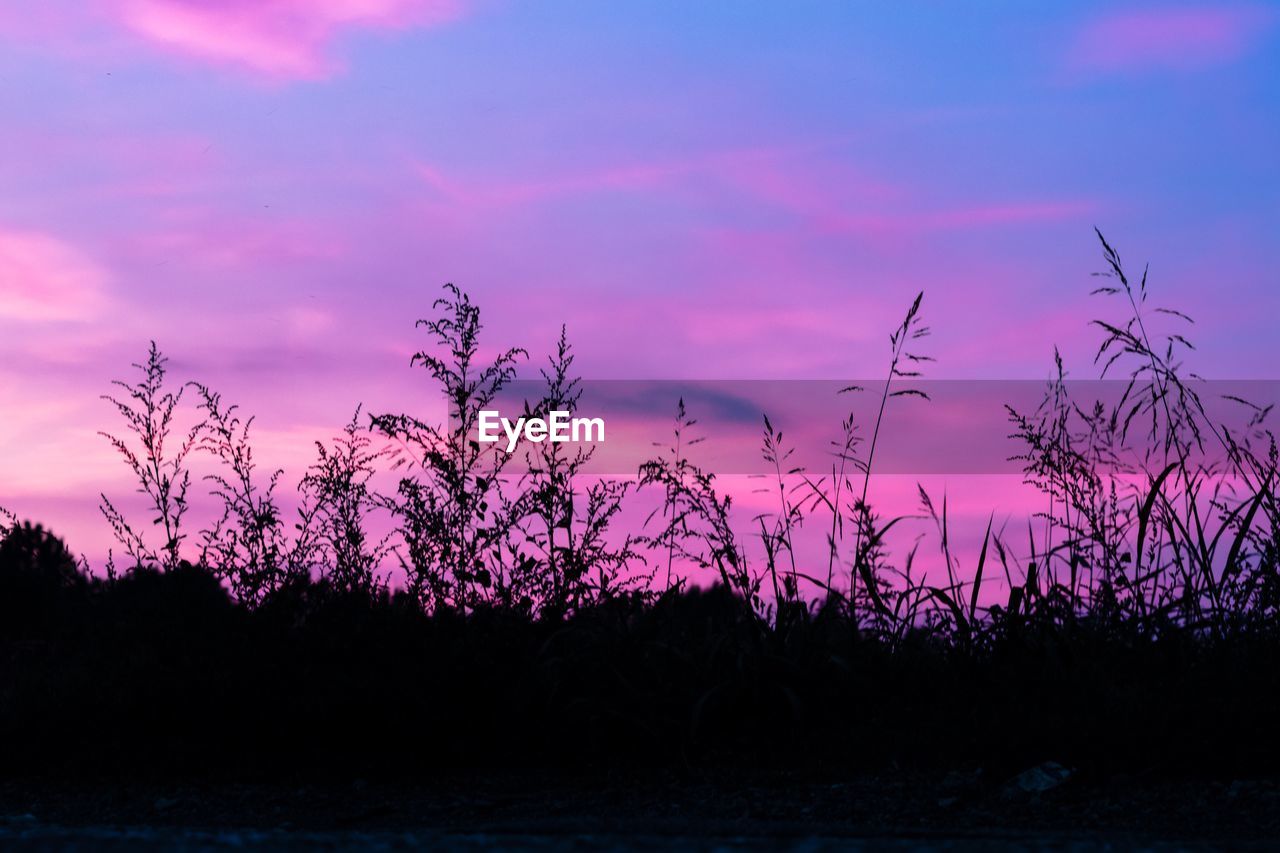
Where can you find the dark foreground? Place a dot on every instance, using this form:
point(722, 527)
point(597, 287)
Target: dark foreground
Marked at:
point(163, 676)
point(956, 811)
point(154, 712)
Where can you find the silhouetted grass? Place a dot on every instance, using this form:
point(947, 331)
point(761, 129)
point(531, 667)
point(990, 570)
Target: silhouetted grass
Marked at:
point(161, 672)
point(1139, 631)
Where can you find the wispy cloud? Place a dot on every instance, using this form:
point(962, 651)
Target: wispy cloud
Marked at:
point(275, 39)
point(279, 38)
point(1185, 38)
point(825, 194)
point(43, 278)
point(626, 177)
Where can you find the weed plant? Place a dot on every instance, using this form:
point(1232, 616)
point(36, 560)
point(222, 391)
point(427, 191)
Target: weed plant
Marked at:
point(534, 621)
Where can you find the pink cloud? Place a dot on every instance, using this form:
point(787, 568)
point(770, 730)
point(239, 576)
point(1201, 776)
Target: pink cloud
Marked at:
point(1191, 37)
point(204, 239)
point(287, 39)
point(488, 196)
point(763, 173)
point(43, 278)
point(830, 197)
point(922, 219)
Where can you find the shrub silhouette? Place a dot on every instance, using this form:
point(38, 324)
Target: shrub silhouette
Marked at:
point(39, 578)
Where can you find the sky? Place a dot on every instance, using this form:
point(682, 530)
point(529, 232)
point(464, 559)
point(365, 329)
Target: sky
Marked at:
point(274, 190)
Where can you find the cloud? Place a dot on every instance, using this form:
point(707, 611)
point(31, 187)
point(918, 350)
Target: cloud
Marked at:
point(43, 278)
point(828, 197)
point(287, 39)
point(1178, 39)
point(221, 241)
point(492, 195)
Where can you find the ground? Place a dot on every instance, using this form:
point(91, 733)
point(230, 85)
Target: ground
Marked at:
point(955, 811)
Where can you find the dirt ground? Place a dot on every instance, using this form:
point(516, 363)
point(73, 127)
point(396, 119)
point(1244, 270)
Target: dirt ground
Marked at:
point(954, 811)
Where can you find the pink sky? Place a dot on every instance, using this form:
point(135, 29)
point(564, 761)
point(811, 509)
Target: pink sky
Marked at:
point(275, 190)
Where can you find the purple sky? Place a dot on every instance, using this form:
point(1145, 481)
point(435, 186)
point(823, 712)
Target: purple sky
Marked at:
point(275, 189)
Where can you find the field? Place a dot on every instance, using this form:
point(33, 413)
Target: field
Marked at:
point(524, 623)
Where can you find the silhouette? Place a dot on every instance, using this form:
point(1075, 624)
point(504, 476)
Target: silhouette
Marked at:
point(1139, 633)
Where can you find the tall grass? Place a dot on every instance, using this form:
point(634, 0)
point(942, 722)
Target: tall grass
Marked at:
point(561, 554)
point(453, 524)
point(339, 502)
point(1140, 529)
point(148, 407)
point(550, 617)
